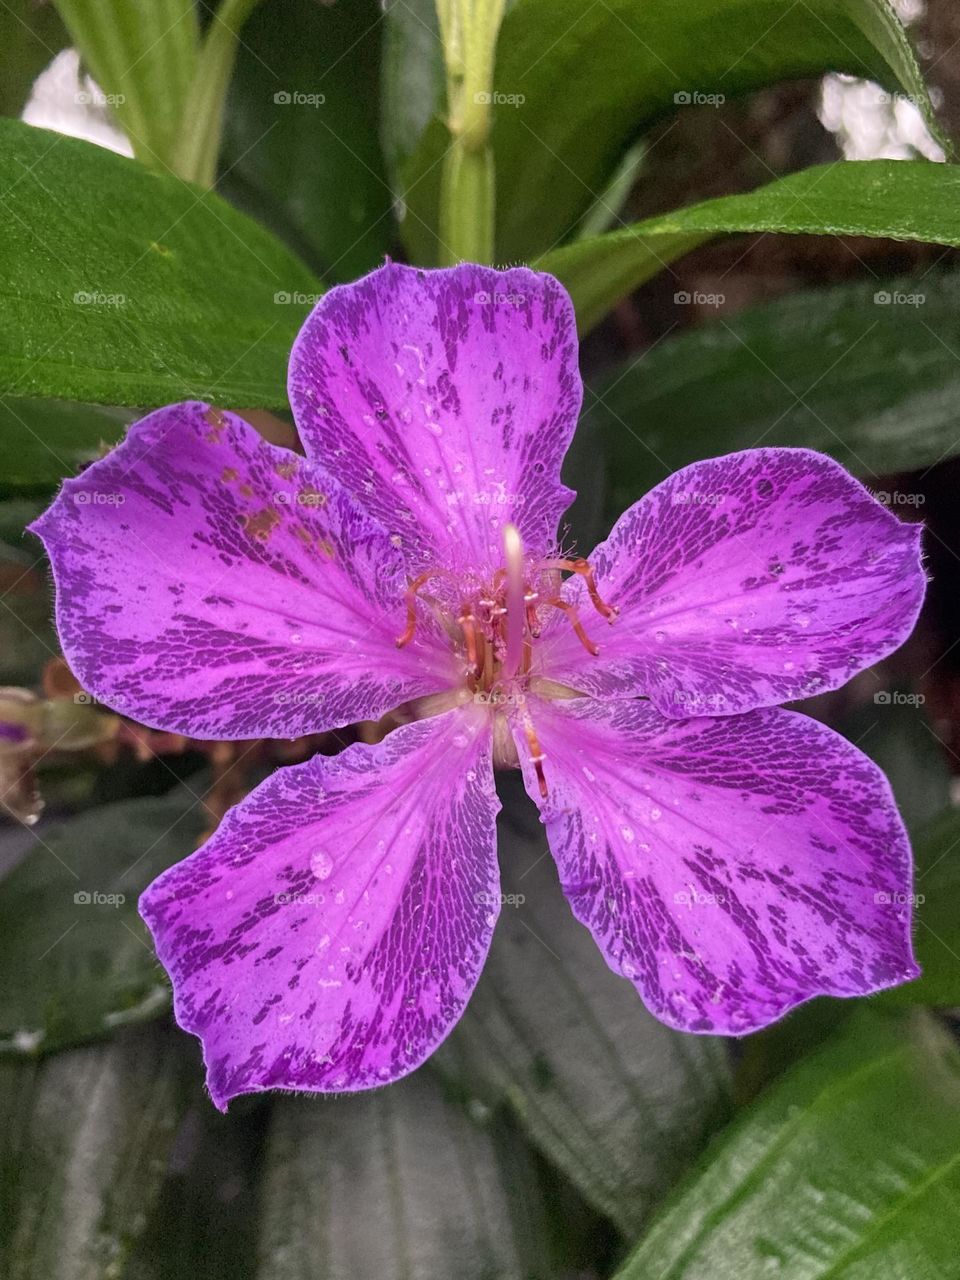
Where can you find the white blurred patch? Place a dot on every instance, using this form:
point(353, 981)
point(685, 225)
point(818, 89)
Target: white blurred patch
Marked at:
point(871, 124)
point(64, 99)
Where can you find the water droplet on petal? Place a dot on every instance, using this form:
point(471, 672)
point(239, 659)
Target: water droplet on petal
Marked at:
point(627, 833)
point(321, 864)
point(656, 815)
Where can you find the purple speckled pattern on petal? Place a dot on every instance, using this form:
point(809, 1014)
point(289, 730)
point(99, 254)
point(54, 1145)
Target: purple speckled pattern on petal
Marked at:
point(729, 867)
point(445, 402)
point(212, 584)
point(330, 933)
point(742, 582)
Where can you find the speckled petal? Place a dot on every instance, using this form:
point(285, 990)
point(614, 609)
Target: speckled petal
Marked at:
point(211, 584)
point(445, 401)
point(329, 935)
point(731, 867)
point(744, 582)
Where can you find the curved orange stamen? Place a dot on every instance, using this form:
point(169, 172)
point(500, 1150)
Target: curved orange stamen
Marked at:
point(585, 570)
point(571, 611)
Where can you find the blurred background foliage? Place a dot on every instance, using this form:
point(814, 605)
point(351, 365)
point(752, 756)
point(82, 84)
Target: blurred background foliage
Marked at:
point(668, 162)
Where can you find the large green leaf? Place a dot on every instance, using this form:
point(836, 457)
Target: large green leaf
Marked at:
point(84, 1140)
point(581, 81)
point(399, 1183)
point(121, 286)
point(889, 199)
point(69, 928)
point(143, 56)
point(874, 384)
point(848, 1168)
point(301, 149)
point(618, 1101)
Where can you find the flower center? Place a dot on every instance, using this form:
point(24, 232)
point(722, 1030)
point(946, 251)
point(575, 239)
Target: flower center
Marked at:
point(495, 621)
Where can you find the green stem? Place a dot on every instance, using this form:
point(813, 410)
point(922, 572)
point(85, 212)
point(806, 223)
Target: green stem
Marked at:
point(202, 127)
point(469, 29)
point(467, 205)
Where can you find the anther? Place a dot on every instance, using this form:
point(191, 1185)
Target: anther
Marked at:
point(468, 625)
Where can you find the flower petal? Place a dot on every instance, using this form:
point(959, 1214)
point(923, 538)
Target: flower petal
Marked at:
point(729, 867)
point(330, 933)
point(743, 582)
point(445, 401)
point(211, 584)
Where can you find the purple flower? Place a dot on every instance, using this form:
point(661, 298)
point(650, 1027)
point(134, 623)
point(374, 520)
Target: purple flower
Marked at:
point(730, 859)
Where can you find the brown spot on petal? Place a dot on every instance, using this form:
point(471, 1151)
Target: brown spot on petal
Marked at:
point(228, 474)
point(286, 470)
point(217, 421)
point(262, 524)
point(246, 490)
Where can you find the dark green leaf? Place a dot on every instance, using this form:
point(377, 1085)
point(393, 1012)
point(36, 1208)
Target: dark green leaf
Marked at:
point(123, 286)
point(399, 1182)
point(41, 441)
point(301, 149)
point(875, 385)
point(143, 57)
point(84, 1141)
point(593, 77)
point(69, 927)
point(618, 1101)
point(848, 1168)
point(936, 852)
point(31, 36)
point(889, 199)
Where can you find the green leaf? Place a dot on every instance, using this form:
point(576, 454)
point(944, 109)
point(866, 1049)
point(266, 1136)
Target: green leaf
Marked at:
point(399, 1182)
point(888, 199)
point(413, 76)
point(84, 1140)
point(617, 1100)
point(69, 927)
point(41, 441)
point(936, 851)
point(874, 385)
point(144, 56)
point(848, 1168)
point(127, 287)
point(311, 169)
point(583, 81)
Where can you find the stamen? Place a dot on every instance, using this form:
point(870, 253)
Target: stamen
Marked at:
point(468, 624)
point(571, 611)
point(513, 555)
point(536, 755)
point(585, 570)
point(411, 598)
